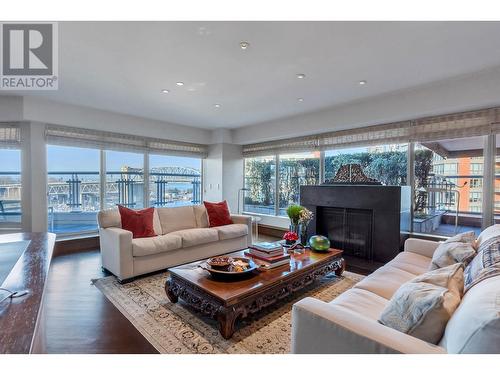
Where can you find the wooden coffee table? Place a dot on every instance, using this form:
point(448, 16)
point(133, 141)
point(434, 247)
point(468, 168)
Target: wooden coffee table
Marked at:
point(227, 301)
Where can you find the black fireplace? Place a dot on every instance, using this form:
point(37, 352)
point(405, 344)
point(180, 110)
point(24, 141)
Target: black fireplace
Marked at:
point(365, 221)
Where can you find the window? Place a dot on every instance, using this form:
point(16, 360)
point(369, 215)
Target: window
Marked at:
point(10, 189)
point(73, 189)
point(124, 179)
point(447, 181)
point(386, 163)
point(295, 170)
point(174, 181)
point(476, 168)
point(260, 185)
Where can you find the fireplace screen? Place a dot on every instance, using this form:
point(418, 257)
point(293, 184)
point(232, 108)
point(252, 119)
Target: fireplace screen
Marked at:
point(348, 229)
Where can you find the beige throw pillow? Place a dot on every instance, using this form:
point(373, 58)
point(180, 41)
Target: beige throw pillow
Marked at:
point(465, 237)
point(449, 253)
point(422, 306)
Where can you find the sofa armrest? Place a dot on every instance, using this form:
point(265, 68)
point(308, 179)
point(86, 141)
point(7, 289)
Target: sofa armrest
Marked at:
point(421, 247)
point(116, 251)
point(247, 220)
point(319, 327)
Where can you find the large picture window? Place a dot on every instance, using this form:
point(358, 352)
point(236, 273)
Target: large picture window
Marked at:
point(260, 185)
point(124, 179)
point(386, 163)
point(10, 189)
point(73, 189)
point(296, 170)
point(174, 181)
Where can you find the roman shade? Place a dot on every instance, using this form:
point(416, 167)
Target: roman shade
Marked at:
point(78, 137)
point(451, 126)
point(10, 135)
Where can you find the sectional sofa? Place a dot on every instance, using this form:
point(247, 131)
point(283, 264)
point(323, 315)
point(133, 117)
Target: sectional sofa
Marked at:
point(184, 236)
point(349, 324)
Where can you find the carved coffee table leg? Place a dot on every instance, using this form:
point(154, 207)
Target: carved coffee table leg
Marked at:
point(340, 270)
point(226, 318)
point(170, 294)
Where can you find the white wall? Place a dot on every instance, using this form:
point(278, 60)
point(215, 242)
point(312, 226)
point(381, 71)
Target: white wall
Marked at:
point(474, 91)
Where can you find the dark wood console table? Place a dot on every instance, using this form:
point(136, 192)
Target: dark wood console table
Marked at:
point(20, 317)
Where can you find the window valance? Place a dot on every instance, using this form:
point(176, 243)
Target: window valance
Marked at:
point(458, 125)
point(10, 135)
point(78, 137)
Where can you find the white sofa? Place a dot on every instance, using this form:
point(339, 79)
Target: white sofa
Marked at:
point(349, 324)
point(183, 236)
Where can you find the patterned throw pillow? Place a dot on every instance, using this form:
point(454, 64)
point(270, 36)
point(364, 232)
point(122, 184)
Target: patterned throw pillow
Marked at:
point(466, 237)
point(450, 253)
point(422, 307)
point(486, 264)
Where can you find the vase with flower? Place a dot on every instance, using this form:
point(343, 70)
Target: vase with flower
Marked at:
point(305, 218)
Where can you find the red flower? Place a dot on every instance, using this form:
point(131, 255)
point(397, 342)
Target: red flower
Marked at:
point(291, 236)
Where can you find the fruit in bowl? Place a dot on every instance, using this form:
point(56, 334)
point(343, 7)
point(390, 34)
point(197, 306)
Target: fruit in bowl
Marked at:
point(319, 243)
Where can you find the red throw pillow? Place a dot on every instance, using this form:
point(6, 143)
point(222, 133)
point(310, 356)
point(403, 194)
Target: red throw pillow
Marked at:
point(218, 213)
point(139, 222)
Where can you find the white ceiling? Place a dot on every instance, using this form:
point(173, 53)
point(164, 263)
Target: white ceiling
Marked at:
point(123, 66)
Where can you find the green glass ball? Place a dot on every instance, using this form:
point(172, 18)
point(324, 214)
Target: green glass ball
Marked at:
point(319, 243)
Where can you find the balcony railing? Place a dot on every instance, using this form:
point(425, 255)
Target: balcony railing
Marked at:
point(75, 197)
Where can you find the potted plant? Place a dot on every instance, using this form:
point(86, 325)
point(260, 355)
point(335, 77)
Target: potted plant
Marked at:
point(293, 212)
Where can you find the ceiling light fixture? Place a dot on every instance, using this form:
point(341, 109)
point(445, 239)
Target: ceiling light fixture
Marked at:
point(180, 83)
point(244, 45)
point(165, 91)
point(363, 82)
point(301, 76)
point(300, 100)
point(217, 105)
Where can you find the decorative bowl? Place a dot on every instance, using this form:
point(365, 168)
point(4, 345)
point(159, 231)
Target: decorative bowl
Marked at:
point(233, 271)
point(221, 263)
point(319, 243)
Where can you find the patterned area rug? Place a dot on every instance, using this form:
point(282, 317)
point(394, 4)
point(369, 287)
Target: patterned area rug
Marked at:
point(176, 328)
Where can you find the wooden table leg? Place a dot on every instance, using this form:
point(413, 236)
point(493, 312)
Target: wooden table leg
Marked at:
point(226, 318)
point(170, 294)
point(340, 270)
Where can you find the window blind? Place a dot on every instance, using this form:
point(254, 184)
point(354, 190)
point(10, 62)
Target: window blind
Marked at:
point(77, 137)
point(451, 126)
point(10, 135)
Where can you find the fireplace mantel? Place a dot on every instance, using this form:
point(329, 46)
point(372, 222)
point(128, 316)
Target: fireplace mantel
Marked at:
point(389, 207)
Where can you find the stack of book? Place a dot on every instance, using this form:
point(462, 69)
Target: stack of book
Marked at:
point(268, 254)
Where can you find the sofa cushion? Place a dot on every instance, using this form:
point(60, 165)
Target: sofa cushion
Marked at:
point(450, 253)
point(176, 218)
point(411, 262)
point(422, 307)
point(155, 245)
point(226, 232)
point(201, 216)
point(385, 281)
point(362, 301)
point(475, 325)
point(197, 236)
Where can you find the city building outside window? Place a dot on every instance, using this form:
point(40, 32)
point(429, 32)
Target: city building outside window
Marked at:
point(10, 190)
point(124, 179)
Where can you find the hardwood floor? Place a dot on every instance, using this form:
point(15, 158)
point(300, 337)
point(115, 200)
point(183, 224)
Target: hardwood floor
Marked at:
point(79, 318)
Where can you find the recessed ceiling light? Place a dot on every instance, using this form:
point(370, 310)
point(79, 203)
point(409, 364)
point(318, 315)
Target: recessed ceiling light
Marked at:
point(165, 91)
point(301, 76)
point(244, 45)
point(217, 105)
point(180, 83)
point(300, 99)
point(363, 82)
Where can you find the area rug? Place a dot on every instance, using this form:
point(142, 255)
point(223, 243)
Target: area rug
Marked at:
point(176, 328)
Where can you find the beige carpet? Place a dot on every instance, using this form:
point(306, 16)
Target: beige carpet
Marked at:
point(176, 328)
